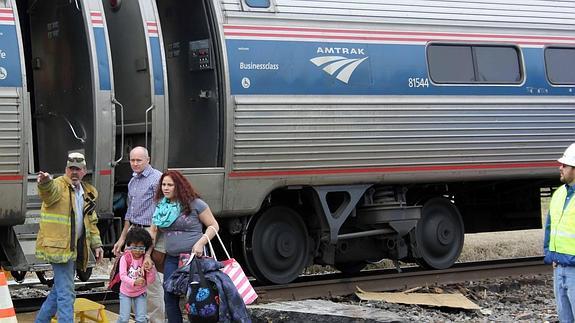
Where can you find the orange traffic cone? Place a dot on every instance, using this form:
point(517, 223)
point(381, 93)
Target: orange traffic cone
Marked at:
point(6, 273)
point(7, 313)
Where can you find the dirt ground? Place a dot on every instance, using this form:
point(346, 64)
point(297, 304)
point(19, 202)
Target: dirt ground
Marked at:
point(507, 244)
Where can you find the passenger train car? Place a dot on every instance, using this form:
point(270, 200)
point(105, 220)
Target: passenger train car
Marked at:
point(328, 131)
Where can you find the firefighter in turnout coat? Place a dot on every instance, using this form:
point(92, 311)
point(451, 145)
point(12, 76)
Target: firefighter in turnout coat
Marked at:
point(68, 227)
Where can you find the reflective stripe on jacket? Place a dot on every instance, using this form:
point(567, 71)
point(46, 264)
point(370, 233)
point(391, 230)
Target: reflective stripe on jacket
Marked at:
point(57, 239)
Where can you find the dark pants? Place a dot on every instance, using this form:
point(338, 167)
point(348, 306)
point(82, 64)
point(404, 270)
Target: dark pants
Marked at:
point(172, 301)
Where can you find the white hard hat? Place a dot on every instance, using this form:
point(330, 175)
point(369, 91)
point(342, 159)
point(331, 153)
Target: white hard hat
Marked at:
point(568, 156)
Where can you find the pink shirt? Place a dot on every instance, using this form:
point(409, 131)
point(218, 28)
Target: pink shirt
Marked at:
point(130, 270)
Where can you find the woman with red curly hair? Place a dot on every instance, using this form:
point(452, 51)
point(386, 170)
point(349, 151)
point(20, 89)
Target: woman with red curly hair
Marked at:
point(181, 215)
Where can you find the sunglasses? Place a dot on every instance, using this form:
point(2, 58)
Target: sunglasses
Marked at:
point(136, 248)
point(76, 159)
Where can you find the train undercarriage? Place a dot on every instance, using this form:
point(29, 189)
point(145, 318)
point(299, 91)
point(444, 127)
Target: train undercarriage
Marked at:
point(349, 227)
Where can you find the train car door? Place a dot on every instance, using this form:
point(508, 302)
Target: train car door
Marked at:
point(13, 150)
point(70, 74)
point(190, 32)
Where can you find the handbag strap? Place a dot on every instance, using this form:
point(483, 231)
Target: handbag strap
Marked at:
point(223, 247)
point(221, 243)
point(213, 254)
point(199, 270)
point(190, 259)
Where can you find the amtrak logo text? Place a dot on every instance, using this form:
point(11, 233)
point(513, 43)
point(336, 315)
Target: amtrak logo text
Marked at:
point(340, 50)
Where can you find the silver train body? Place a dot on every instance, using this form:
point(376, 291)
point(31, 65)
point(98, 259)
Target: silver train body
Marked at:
point(329, 132)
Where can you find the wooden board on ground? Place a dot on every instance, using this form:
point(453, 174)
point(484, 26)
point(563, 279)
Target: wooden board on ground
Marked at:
point(447, 300)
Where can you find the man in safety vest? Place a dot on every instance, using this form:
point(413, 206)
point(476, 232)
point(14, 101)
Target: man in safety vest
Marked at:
point(68, 228)
point(559, 243)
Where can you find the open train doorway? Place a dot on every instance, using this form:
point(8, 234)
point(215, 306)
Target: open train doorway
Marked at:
point(196, 100)
point(139, 91)
point(139, 81)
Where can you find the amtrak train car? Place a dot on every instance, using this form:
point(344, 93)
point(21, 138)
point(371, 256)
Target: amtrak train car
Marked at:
point(328, 132)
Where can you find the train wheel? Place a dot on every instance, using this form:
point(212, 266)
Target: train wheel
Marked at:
point(18, 275)
point(439, 234)
point(276, 245)
point(44, 279)
point(84, 275)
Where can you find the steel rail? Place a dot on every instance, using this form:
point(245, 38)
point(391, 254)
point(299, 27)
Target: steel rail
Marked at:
point(387, 280)
point(91, 289)
point(31, 304)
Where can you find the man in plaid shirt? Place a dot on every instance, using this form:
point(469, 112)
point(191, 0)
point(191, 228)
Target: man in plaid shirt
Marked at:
point(141, 206)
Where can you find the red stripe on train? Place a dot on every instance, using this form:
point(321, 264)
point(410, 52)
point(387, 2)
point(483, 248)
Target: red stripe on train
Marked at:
point(14, 177)
point(395, 169)
point(392, 32)
point(371, 38)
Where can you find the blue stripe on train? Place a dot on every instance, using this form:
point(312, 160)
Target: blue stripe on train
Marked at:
point(10, 68)
point(157, 65)
point(285, 67)
point(103, 62)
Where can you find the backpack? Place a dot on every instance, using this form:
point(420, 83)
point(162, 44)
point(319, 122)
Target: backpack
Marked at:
point(202, 297)
point(115, 281)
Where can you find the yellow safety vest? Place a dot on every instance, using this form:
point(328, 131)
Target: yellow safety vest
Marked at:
point(562, 233)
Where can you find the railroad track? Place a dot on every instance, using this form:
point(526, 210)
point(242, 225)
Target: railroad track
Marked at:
point(389, 279)
point(32, 304)
point(93, 290)
point(331, 285)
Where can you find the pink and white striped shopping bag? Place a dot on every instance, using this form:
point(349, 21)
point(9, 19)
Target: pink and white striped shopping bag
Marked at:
point(233, 269)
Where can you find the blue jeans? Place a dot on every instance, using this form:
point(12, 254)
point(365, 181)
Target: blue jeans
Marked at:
point(564, 287)
point(140, 308)
point(62, 296)
point(172, 301)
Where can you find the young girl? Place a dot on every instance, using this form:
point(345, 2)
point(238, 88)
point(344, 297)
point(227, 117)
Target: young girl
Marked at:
point(133, 276)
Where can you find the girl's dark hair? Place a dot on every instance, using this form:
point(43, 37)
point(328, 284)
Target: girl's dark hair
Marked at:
point(137, 234)
point(184, 192)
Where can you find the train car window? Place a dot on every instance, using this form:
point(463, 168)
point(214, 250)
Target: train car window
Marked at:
point(497, 64)
point(455, 64)
point(450, 64)
point(560, 65)
point(258, 3)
